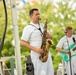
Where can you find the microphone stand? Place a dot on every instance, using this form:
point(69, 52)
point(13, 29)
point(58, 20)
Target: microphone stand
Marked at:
point(69, 57)
point(75, 44)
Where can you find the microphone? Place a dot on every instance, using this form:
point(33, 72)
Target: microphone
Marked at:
point(74, 40)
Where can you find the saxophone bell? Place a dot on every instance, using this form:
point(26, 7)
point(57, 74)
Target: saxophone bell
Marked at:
point(50, 42)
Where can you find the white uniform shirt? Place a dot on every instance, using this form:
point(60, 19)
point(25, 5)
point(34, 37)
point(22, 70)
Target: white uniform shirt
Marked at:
point(65, 41)
point(32, 34)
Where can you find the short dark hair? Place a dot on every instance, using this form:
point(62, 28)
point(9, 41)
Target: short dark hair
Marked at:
point(68, 28)
point(32, 10)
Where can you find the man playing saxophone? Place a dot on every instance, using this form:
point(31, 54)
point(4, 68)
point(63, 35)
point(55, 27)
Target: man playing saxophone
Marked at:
point(34, 34)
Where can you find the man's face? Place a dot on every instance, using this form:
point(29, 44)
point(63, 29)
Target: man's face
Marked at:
point(35, 16)
point(69, 33)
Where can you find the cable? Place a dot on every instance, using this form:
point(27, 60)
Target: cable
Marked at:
point(5, 28)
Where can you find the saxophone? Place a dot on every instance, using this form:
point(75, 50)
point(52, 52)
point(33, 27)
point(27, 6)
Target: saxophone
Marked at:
point(46, 43)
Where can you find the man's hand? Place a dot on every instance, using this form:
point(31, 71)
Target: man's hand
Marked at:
point(68, 52)
point(39, 50)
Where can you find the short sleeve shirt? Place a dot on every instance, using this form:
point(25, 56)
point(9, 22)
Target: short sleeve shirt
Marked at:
point(32, 34)
point(65, 42)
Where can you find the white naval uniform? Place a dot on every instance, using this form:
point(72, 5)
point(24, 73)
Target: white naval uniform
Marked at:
point(32, 34)
point(63, 43)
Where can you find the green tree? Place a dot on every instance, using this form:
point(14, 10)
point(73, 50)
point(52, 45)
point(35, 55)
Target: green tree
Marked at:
point(7, 48)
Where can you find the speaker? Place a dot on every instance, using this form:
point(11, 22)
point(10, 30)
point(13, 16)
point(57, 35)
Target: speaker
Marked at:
point(29, 66)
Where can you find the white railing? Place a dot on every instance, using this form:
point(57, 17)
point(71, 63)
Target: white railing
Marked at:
point(3, 66)
point(60, 70)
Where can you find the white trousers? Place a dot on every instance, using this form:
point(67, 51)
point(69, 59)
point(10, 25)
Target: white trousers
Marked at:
point(73, 66)
point(42, 68)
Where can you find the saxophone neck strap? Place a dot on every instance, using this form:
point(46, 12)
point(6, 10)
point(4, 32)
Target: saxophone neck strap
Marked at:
point(37, 28)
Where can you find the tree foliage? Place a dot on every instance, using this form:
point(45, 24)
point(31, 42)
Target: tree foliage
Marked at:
point(7, 48)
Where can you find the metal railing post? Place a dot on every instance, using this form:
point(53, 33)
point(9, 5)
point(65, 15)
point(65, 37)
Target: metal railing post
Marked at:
point(1, 68)
point(12, 65)
point(16, 37)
